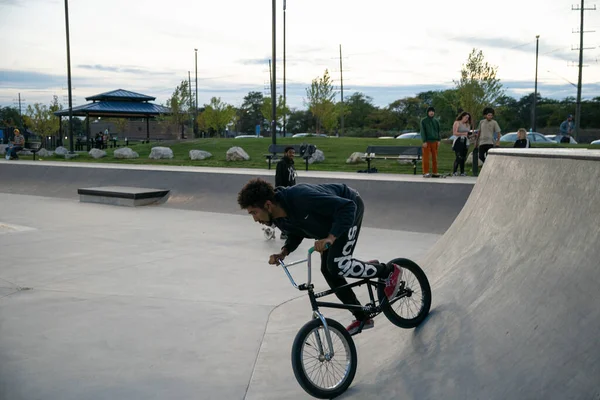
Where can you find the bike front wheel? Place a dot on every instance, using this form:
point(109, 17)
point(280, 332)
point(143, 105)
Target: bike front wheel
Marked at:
point(321, 374)
point(412, 303)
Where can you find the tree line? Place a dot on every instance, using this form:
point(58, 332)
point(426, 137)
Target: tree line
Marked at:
point(477, 87)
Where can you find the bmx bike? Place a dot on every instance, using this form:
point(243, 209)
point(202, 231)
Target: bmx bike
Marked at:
point(324, 356)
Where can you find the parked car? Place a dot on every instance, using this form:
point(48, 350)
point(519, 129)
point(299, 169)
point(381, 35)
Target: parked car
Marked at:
point(596, 142)
point(534, 137)
point(554, 139)
point(409, 135)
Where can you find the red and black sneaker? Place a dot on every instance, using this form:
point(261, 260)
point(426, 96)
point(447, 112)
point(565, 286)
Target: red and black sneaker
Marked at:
point(392, 283)
point(355, 327)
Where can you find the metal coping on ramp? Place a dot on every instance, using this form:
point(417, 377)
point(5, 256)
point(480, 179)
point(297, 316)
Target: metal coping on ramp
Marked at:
point(122, 195)
point(573, 154)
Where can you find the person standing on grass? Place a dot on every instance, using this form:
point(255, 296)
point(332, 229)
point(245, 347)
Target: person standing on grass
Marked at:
point(430, 134)
point(460, 146)
point(489, 133)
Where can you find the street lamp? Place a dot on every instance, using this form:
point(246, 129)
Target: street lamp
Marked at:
point(533, 111)
point(273, 80)
point(284, 97)
point(69, 78)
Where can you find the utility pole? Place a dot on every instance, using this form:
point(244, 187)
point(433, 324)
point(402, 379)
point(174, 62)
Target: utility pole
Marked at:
point(342, 92)
point(284, 97)
point(71, 150)
point(533, 110)
point(273, 78)
point(19, 102)
point(20, 113)
point(582, 9)
point(196, 108)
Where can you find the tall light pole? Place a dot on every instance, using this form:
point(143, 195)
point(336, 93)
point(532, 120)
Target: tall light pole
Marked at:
point(284, 97)
point(69, 79)
point(274, 81)
point(196, 110)
point(534, 110)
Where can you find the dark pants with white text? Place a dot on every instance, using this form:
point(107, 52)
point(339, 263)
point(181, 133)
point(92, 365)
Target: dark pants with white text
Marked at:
point(337, 263)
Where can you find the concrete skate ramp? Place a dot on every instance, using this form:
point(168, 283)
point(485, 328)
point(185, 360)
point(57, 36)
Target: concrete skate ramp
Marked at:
point(393, 202)
point(516, 304)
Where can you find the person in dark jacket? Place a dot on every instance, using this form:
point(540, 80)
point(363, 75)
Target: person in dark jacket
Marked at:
point(332, 215)
point(285, 174)
point(522, 142)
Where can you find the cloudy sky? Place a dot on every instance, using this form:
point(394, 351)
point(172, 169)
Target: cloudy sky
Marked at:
point(391, 49)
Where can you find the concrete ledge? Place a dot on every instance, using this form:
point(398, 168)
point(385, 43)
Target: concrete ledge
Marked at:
point(122, 195)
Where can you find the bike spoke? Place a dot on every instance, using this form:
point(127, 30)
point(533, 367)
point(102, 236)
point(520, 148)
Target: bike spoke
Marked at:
point(326, 374)
point(409, 307)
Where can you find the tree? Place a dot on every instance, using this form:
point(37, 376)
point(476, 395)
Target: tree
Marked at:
point(179, 103)
point(9, 117)
point(319, 97)
point(41, 118)
point(267, 111)
point(300, 121)
point(409, 112)
point(218, 115)
point(358, 108)
point(447, 106)
point(478, 86)
point(250, 113)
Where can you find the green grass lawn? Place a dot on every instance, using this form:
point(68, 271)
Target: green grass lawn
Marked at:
point(336, 151)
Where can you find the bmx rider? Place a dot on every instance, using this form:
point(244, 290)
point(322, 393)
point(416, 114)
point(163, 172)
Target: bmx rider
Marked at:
point(332, 215)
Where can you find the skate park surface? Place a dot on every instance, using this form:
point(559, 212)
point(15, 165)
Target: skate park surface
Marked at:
point(177, 301)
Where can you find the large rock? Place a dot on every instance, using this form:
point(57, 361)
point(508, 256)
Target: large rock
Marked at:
point(25, 153)
point(158, 153)
point(237, 154)
point(199, 155)
point(3, 149)
point(125, 152)
point(97, 153)
point(61, 151)
point(317, 157)
point(44, 153)
point(355, 158)
point(469, 160)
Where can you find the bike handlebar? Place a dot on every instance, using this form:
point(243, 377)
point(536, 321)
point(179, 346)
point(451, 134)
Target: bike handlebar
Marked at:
point(308, 260)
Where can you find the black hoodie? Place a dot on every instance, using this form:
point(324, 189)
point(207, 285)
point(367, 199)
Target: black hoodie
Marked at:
point(315, 211)
point(285, 174)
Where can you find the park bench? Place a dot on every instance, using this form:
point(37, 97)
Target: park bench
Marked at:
point(412, 153)
point(303, 150)
point(33, 147)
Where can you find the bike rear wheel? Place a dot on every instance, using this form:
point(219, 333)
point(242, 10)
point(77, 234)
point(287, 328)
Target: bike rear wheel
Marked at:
point(319, 375)
point(408, 311)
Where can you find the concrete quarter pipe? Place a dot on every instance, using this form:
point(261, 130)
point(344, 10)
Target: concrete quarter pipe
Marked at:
point(516, 304)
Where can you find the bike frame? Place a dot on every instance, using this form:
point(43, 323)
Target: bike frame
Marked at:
point(371, 309)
